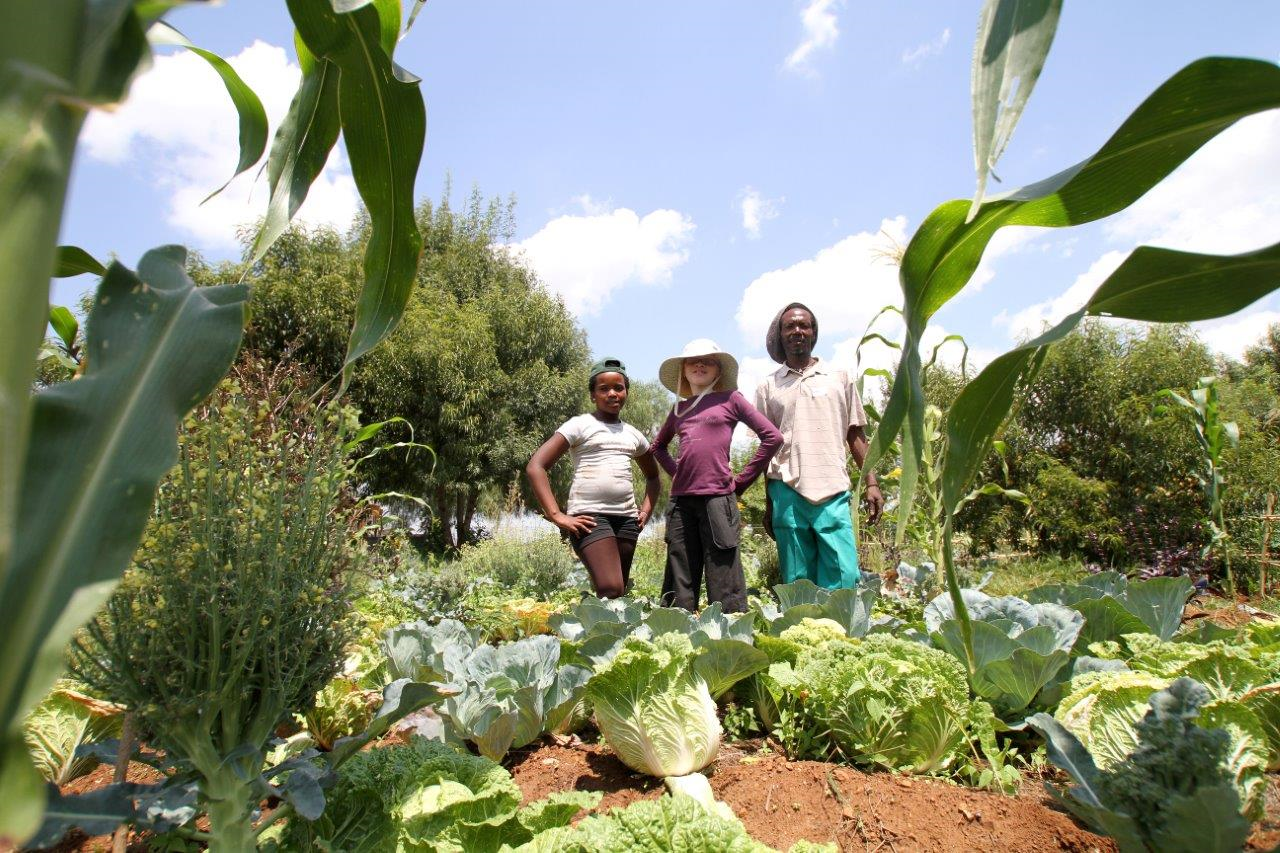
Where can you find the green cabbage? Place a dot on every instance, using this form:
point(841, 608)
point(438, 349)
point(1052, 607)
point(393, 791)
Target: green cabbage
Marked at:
point(670, 824)
point(428, 796)
point(890, 702)
point(65, 720)
point(655, 709)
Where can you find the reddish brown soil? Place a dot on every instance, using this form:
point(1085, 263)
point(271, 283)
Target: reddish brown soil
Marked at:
point(781, 802)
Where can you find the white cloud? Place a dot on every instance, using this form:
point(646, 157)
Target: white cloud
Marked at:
point(1221, 201)
point(756, 210)
point(1006, 241)
point(820, 31)
point(929, 48)
point(1232, 335)
point(1032, 320)
point(586, 258)
point(844, 284)
point(180, 130)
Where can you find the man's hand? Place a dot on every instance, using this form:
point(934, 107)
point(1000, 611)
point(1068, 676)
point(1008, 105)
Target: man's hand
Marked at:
point(578, 525)
point(875, 502)
point(642, 518)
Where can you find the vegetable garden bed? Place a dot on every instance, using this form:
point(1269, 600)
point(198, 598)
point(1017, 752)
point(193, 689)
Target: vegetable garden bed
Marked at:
point(781, 802)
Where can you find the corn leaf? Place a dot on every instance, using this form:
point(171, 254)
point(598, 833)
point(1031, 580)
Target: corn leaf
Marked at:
point(1014, 37)
point(56, 57)
point(252, 115)
point(1183, 114)
point(384, 125)
point(301, 147)
point(156, 346)
point(1159, 285)
point(72, 260)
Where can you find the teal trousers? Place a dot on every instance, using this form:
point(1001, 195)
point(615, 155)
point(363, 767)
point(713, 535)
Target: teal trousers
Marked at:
point(815, 541)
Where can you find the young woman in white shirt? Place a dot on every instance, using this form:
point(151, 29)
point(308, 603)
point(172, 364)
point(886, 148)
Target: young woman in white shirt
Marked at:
point(601, 520)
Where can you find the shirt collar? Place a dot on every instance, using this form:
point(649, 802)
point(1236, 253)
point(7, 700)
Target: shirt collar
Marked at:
point(818, 366)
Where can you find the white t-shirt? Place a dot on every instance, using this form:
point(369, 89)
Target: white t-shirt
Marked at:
point(602, 455)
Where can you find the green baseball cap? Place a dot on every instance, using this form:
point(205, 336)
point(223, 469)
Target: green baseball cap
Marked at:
point(608, 365)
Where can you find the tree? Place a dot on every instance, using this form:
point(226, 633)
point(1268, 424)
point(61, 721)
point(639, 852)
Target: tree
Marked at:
point(485, 365)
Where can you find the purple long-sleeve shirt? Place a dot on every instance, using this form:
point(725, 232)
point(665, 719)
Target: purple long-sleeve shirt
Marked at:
point(705, 435)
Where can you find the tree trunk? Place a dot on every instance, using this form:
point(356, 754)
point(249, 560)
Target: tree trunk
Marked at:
point(443, 510)
point(470, 512)
point(460, 519)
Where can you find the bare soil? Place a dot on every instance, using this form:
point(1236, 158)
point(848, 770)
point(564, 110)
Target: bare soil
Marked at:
point(781, 802)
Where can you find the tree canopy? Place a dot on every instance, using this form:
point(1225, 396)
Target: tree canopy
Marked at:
point(486, 363)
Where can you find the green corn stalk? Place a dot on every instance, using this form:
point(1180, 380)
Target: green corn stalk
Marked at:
point(78, 465)
point(1215, 435)
point(1153, 285)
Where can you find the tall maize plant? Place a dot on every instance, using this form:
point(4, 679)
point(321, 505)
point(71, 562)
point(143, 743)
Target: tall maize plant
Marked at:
point(80, 461)
point(1152, 284)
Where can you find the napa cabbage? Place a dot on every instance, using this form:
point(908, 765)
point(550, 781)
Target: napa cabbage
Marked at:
point(654, 708)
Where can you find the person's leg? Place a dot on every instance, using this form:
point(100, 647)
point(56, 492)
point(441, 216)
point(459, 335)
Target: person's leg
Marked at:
point(682, 581)
point(604, 565)
point(720, 525)
point(628, 534)
point(837, 557)
point(793, 533)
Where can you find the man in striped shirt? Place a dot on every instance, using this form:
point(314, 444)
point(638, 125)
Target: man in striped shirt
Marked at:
point(818, 411)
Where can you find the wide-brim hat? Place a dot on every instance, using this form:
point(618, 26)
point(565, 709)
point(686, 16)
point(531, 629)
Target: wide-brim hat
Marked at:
point(669, 372)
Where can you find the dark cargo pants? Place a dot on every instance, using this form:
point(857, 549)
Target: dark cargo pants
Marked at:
point(702, 539)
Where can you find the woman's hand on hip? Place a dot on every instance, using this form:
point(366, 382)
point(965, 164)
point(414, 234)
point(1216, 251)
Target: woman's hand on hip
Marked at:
point(578, 525)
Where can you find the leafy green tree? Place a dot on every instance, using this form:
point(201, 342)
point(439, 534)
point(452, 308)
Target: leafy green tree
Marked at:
point(484, 366)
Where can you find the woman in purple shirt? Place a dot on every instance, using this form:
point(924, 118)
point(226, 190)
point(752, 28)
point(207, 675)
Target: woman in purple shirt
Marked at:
point(702, 529)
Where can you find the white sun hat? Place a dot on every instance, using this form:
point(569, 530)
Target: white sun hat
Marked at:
point(671, 369)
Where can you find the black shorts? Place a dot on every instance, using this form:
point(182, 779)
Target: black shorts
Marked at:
point(607, 527)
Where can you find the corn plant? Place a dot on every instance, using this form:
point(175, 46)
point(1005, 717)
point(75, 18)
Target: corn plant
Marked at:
point(81, 460)
point(1215, 435)
point(1153, 284)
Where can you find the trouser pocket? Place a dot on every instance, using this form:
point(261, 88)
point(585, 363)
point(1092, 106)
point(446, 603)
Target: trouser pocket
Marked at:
point(724, 520)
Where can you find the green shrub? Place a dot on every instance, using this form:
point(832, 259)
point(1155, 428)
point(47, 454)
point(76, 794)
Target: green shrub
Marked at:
point(1071, 511)
point(536, 568)
point(235, 610)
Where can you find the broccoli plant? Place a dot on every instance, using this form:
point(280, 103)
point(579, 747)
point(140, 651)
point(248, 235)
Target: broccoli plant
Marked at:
point(1173, 792)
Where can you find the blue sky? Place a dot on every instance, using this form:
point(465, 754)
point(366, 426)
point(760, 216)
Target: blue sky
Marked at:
point(684, 169)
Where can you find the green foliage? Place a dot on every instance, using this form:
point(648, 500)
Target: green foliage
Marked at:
point(1172, 791)
point(1215, 435)
point(670, 823)
point(1018, 647)
point(654, 708)
point(87, 443)
point(740, 722)
point(64, 721)
point(235, 610)
point(427, 796)
point(486, 365)
point(342, 708)
point(890, 702)
point(851, 609)
point(539, 567)
point(505, 695)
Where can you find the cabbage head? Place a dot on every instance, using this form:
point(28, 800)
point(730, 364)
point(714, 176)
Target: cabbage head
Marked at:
point(1102, 710)
point(654, 709)
point(890, 702)
point(670, 823)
